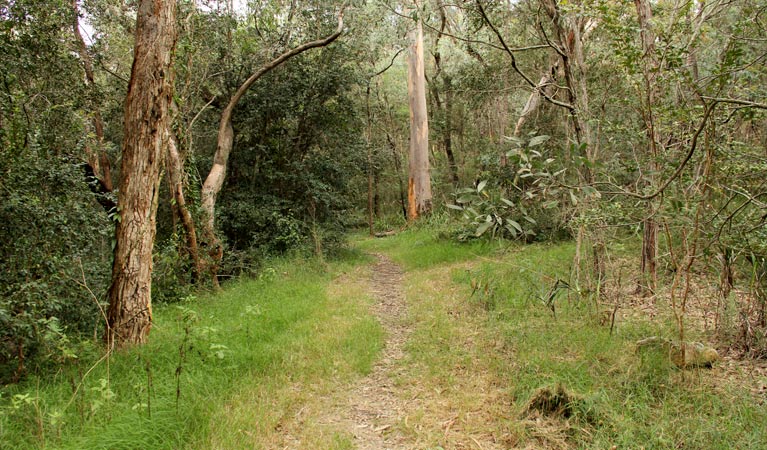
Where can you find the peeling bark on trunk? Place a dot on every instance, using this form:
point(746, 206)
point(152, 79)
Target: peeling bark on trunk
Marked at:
point(419, 182)
point(147, 121)
point(215, 179)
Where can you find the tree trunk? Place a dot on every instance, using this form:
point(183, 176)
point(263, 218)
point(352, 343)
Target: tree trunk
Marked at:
point(147, 123)
point(369, 144)
point(448, 136)
point(447, 106)
point(650, 70)
point(175, 168)
point(568, 35)
point(398, 169)
point(97, 158)
point(215, 179)
point(419, 182)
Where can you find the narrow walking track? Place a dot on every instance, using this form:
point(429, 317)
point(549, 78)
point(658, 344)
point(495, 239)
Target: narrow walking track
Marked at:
point(372, 407)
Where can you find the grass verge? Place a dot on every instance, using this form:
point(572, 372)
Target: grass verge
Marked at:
point(221, 371)
point(486, 341)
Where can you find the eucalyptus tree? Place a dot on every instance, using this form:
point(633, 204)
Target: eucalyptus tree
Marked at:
point(215, 178)
point(419, 175)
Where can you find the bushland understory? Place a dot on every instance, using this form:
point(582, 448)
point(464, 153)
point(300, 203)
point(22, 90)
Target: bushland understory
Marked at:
point(405, 342)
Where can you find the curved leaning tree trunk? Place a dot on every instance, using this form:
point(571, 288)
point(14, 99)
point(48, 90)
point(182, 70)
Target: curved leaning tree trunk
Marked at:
point(215, 179)
point(147, 121)
point(419, 181)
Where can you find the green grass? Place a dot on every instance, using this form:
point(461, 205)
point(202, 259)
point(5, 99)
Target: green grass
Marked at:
point(258, 334)
point(422, 249)
point(262, 355)
point(494, 292)
point(629, 400)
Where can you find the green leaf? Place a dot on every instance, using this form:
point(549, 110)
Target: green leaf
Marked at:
point(481, 185)
point(507, 201)
point(538, 140)
point(482, 228)
point(573, 199)
point(515, 225)
point(451, 206)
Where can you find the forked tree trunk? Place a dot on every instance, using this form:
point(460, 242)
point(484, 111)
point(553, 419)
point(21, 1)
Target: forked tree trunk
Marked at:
point(215, 179)
point(147, 121)
point(419, 181)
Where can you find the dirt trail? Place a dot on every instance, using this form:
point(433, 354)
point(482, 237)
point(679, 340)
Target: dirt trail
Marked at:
point(372, 408)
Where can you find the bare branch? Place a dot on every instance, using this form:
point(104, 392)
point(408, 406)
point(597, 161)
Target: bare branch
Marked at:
point(735, 101)
point(391, 63)
point(514, 66)
point(693, 145)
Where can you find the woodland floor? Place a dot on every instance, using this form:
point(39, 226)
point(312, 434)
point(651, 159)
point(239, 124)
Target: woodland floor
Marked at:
point(408, 342)
point(444, 379)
